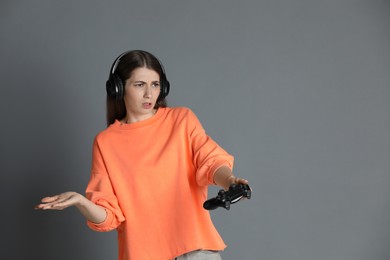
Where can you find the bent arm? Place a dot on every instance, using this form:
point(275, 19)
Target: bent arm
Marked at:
point(87, 208)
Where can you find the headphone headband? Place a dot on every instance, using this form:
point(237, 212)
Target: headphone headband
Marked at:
point(116, 62)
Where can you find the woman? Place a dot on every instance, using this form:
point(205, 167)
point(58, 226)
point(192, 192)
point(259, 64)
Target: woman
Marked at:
point(150, 170)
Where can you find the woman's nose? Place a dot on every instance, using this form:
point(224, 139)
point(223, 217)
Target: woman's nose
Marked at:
point(148, 92)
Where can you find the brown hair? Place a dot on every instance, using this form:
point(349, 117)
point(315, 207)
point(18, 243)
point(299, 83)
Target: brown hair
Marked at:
point(115, 108)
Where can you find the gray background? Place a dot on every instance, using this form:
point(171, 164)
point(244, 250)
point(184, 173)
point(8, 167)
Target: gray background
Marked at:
point(297, 90)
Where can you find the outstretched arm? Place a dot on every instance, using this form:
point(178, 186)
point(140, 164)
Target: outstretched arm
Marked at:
point(87, 208)
point(224, 177)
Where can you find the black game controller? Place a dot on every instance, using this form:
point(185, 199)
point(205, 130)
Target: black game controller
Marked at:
point(225, 198)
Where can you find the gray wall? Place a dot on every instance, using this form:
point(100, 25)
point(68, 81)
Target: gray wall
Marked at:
point(297, 90)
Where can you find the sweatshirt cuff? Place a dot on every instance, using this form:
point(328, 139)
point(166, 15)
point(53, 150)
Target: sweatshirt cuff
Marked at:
point(107, 225)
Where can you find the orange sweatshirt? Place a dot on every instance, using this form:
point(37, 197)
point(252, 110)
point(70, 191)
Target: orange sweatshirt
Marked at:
point(151, 177)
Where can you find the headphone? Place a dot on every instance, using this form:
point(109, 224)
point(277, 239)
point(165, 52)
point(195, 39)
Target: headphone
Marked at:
point(116, 89)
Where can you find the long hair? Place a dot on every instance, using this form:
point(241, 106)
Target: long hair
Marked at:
point(116, 109)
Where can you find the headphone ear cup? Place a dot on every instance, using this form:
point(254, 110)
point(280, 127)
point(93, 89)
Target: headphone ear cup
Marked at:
point(114, 87)
point(165, 86)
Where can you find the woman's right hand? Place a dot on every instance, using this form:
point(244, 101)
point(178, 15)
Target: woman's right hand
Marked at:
point(61, 201)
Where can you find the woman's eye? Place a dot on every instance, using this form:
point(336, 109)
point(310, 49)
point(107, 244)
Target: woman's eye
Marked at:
point(156, 85)
point(138, 85)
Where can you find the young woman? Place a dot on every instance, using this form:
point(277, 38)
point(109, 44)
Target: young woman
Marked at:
point(150, 170)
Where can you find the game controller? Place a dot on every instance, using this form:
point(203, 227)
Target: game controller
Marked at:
point(225, 198)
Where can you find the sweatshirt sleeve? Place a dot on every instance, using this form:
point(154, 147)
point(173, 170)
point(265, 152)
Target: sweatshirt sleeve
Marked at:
point(208, 156)
point(99, 190)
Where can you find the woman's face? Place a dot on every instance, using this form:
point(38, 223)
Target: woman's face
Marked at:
point(141, 92)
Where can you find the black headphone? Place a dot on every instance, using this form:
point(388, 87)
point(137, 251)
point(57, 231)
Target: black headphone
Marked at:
point(114, 84)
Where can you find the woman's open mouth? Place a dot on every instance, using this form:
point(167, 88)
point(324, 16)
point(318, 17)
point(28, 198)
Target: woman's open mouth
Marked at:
point(147, 105)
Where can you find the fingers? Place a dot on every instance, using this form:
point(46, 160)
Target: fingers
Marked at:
point(50, 199)
point(240, 181)
point(58, 202)
point(235, 180)
point(46, 202)
point(53, 206)
point(56, 206)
